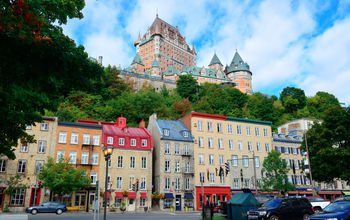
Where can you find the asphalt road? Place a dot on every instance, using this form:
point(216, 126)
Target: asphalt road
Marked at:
point(110, 216)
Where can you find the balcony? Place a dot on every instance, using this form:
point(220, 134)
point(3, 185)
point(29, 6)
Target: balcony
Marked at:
point(188, 172)
point(187, 154)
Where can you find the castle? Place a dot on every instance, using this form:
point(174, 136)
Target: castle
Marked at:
point(162, 55)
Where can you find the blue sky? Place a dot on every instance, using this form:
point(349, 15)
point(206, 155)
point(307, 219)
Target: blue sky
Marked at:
point(305, 44)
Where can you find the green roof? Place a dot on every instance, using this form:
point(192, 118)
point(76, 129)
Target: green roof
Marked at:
point(137, 59)
point(237, 64)
point(145, 41)
point(246, 120)
point(215, 60)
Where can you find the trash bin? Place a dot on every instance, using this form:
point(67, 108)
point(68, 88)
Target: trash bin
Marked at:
point(239, 205)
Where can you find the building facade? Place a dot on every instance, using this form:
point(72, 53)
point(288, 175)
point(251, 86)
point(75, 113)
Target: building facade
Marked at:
point(297, 126)
point(80, 145)
point(173, 163)
point(219, 140)
point(129, 164)
point(29, 161)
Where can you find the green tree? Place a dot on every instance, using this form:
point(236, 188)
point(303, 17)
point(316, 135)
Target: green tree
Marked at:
point(187, 87)
point(63, 178)
point(260, 107)
point(275, 170)
point(329, 146)
point(293, 99)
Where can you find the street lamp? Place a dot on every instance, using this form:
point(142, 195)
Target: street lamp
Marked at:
point(107, 151)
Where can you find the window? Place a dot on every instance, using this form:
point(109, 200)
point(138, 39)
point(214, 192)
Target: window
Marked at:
point(132, 162)
point(109, 140)
point(39, 164)
point(220, 143)
point(239, 129)
point(24, 148)
point(222, 179)
point(267, 147)
point(74, 138)
point(177, 149)
point(296, 164)
point(185, 133)
point(200, 142)
point(117, 202)
point(166, 183)
point(28, 127)
point(211, 159)
point(44, 126)
point(93, 177)
point(142, 202)
point(210, 142)
point(201, 177)
point(72, 157)
point(143, 183)
point(187, 167)
point(22, 166)
point(167, 148)
point(131, 181)
point(177, 166)
point(209, 124)
point(186, 150)
point(245, 161)
point(133, 142)
point(94, 159)
point(211, 178)
point(219, 127)
point(167, 166)
point(144, 143)
point(248, 130)
point(62, 139)
point(60, 156)
point(17, 198)
point(240, 145)
point(121, 141)
point(257, 131)
point(96, 140)
point(166, 132)
point(230, 144)
point(3, 165)
point(41, 146)
point(236, 183)
point(258, 147)
point(187, 184)
point(257, 161)
point(250, 147)
point(201, 158)
point(229, 129)
point(86, 139)
point(200, 126)
point(84, 157)
point(221, 159)
point(177, 184)
point(143, 162)
point(247, 183)
point(265, 132)
point(119, 182)
point(234, 160)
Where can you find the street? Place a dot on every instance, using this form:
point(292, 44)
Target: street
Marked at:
point(110, 216)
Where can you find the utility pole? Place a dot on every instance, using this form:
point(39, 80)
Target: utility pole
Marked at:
point(202, 196)
point(307, 151)
point(255, 180)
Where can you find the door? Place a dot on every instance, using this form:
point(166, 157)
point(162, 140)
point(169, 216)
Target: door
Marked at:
point(35, 197)
point(178, 202)
point(131, 205)
point(80, 200)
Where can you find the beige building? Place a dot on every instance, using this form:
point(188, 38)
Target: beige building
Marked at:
point(29, 161)
point(297, 126)
point(173, 160)
point(221, 139)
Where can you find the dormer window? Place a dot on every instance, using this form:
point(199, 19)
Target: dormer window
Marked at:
point(144, 143)
point(185, 133)
point(125, 130)
point(166, 132)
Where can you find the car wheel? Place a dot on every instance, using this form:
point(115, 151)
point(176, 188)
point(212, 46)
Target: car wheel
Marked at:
point(59, 211)
point(274, 217)
point(317, 210)
point(306, 216)
point(34, 211)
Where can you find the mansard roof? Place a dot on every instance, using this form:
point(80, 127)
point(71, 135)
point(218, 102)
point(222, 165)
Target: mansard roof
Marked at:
point(176, 130)
point(137, 59)
point(215, 60)
point(237, 64)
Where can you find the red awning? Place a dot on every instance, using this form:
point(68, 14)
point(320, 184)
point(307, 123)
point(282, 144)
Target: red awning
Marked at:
point(330, 192)
point(143, 195)
point(108, 194)
point(132, 195)
point(119, 195)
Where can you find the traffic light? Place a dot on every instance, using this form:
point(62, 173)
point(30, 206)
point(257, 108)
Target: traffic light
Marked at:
point(39, 184)
point(137, 185)
point(241, 176)
point(227, 168)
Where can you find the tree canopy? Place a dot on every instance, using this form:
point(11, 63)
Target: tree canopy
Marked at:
point(187, 87)
point(293, 98)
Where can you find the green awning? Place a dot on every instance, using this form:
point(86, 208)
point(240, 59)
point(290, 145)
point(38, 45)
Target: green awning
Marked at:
point(346, 193)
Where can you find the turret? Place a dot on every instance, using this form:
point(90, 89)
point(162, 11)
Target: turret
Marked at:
point(215, 63)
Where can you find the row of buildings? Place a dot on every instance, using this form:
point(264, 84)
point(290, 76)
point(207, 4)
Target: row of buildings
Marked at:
point(172, 160)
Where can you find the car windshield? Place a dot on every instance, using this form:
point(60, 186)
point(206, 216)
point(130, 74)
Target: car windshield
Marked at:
point(338, 207)
point(274, 203)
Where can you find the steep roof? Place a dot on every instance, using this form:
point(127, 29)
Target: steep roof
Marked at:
point(237, 64)
point(215, 60)
point(176, 130)
point(137, 59)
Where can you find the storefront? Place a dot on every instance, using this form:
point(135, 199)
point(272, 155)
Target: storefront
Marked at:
point(212, 194)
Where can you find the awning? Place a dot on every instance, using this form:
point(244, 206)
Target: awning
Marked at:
point(143, 195)
point(108, 194)
point(189, 196)
point(169, 196)
point(132, 195)
point(346, 193)
point(119, 195)
point(329, 192)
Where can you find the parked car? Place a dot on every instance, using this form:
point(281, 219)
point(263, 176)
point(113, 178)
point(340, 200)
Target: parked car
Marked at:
point(345, 198)
point(318, 203)
point(336, 210)
point(289, 208)
point(263, 198)
point(54, 207)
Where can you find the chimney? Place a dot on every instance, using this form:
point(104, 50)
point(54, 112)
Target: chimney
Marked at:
point(142, 124)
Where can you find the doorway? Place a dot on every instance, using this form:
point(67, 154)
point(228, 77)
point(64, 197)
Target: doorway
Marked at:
point(80, 200)
point(35, 196)
point(178, 202)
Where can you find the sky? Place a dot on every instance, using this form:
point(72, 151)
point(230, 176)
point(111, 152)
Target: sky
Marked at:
point(303, 44)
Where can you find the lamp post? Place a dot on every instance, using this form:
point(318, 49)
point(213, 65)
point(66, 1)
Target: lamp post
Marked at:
point(107, 151)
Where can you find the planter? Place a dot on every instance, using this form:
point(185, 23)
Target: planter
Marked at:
point(73, 208)
point(171, 209)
